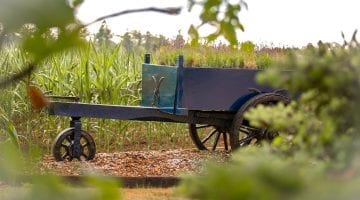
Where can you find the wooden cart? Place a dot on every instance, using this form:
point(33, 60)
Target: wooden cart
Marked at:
point(211, 101)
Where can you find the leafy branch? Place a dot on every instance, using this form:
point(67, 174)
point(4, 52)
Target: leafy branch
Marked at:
point(221, 15)
point(18, 76)
point(40, 46)
point(170, 11)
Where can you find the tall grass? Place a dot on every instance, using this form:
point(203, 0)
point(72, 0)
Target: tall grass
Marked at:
point(247, 55)
point(203, 56)
point(97, 74)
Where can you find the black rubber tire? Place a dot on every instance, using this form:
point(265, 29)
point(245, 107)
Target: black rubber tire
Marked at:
point(218, 137)
point(240, 126)
point(63, 145)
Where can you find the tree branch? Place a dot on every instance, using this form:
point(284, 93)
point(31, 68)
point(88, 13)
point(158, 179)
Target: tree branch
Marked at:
point(18, 76)
point(170, 11)
point(26, 71)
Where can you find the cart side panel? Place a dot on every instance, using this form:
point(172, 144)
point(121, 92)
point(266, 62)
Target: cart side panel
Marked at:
point(166, 88)
point(218, 89)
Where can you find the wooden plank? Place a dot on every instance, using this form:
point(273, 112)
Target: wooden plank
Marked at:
point(214, 89)
point(124, 181)
point(114, 112)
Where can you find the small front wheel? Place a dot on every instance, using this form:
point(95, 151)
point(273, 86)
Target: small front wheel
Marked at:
point(62, 148)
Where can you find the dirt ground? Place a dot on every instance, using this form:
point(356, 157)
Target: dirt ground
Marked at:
point(7, 193)
point(134, 163)
point(150, 194)
point(131, 163)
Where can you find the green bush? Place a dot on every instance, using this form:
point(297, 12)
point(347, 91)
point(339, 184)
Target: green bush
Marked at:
point(315, 155)
point(252, 174)
point(324, 82)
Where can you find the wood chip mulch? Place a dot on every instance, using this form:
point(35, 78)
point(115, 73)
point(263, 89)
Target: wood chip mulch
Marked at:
point(134, 163)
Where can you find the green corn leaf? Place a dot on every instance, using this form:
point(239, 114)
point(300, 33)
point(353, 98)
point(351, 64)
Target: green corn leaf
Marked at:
point(228, 31)
point(193, 33)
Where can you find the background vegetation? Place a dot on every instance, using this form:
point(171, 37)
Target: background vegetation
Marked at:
point(45, 34)
point(314, 157)
point(110, 73)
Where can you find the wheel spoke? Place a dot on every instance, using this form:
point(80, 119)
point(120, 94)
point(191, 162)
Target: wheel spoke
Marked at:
point(85, 145)
point(225, 141)
point(245, 131)
point(67, 151)
point(66, 147)
point(202, 126)
point(246, 140)
point(68, 139)
point(217, 138)
point(65, 155)
point(84, 155)
point(208, 136)
point(248, 129)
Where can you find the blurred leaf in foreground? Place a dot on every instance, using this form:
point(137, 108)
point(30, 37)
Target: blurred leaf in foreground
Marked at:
point(221, 16)
point(44, 13)
point(50, 27)
point(37, 98)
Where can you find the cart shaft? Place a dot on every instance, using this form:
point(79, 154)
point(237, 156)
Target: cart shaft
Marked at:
point(115, 112)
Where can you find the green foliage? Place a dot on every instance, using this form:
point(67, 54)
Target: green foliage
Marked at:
point(222, 15)
point(137, 42)
point(193, 33)
point(44, 13)
point(52, 30)
point(13, 165)
point(316, 154)
point(218, 55)
point(252, 174)
point(8, 129)
point(55, 18)
point(97, 74)
point(247, 47)
point(263, 61)
point(261, 173)
point(326, 83)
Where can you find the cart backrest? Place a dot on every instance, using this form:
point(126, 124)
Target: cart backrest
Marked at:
point(151, 76)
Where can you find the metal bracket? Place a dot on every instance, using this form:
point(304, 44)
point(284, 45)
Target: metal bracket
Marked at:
point(280, 91)
point(76, 124)
point(70, 98)
point(156, 94)
point(254, 90)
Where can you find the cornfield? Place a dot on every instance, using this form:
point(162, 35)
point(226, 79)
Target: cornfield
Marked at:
point(101, 75)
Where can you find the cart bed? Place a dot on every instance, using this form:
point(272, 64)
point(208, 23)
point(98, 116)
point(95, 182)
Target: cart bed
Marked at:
point(205, 89)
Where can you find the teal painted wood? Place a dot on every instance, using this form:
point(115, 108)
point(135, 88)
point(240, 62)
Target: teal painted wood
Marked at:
point(166, 89)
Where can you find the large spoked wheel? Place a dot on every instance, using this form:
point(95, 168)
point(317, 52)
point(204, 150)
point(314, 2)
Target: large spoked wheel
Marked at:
point(62, 148)
point(207, 137)
point(241, 133)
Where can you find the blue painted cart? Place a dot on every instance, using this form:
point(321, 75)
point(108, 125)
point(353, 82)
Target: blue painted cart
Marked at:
point(211, 101)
